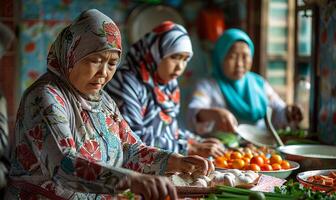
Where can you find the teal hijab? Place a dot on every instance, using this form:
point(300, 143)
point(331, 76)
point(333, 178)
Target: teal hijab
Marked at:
point(245, 97)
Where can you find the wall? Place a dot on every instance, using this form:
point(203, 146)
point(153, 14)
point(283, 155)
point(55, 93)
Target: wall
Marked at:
point(327, 69)
point(42, 20)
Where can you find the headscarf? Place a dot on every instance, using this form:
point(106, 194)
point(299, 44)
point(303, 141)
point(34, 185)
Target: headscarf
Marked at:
point(145, 55)
point(245, 97)
point(91, 32)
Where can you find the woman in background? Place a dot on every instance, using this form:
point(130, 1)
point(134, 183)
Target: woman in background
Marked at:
point(71, 141)
point(146, 91)
point(233, 94)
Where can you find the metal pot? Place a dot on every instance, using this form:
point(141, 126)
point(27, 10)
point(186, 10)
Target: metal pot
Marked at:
point(144, 18)
point(310, 157)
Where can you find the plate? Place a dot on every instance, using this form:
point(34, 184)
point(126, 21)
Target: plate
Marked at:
point(255, 135)
point(303, 176)
point(144, 18)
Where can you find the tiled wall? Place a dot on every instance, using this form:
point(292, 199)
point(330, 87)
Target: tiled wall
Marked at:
point(39, 21)
point(327, 68)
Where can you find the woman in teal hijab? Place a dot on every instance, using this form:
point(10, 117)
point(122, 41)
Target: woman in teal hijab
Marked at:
point(242, 89)
point(234, 94)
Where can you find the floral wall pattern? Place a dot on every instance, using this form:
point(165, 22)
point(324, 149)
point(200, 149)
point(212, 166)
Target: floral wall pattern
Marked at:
point(36, 38)
point(327, 67)
point(42, 20)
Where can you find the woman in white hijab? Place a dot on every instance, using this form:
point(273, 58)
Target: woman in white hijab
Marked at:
point(148, 95)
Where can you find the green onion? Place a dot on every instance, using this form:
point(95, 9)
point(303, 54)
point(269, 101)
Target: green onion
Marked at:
point(227, 192)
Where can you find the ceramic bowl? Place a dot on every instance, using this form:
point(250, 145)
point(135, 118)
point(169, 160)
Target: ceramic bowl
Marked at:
point(283, 173)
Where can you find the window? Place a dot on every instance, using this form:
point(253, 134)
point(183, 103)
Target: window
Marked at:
point(278, 46)
point(303, 58)
point(286, 50)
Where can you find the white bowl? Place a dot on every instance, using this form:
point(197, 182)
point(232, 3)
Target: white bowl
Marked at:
point(282, 173)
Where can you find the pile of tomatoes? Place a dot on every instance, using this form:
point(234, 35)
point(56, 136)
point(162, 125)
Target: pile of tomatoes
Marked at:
point(252, 159)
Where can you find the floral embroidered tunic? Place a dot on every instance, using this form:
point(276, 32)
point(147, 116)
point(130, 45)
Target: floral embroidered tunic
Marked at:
point(67, 143)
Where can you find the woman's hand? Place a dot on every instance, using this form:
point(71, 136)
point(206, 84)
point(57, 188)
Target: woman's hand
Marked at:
point(224, 120)
point(209, 147)
point(213, 141)
point(294, 114)
point(149, 187)
point(193, 165)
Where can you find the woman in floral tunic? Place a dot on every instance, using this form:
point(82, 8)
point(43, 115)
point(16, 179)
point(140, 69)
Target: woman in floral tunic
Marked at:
point(148, 95)
point(71, 141)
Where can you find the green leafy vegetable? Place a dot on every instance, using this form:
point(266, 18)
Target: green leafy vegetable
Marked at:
point(296, 189)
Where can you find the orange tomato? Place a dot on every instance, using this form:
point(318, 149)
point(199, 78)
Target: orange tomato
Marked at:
point(258, 160)
point(254, 167)
point(276, 166)
point(224, 164)
point(266, 167)
point(246, 167)
point(221, 162)
point(248, 155)
point(247, 160)
point(275, 159)
point(238, 164)
point(227, 154)
point(220, 159)
point(266, 160)
point(285, 164)
point(236, 155)
point(230, 160)
point(229, 165)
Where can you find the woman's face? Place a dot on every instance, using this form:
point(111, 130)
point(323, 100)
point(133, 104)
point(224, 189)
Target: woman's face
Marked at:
point(91, 73)
point(172, 67)
point(238, 61)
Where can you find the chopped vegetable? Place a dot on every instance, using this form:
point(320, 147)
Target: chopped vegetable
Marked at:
point(128, 194)
point(226, 192)
point(296, 189)
point(329, 180)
